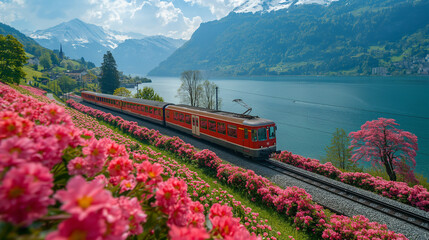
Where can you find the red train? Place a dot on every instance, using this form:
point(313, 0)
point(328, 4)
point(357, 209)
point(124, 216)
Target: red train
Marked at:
point(250, 135)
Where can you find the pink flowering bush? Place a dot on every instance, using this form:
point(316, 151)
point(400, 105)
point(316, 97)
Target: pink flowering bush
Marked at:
point(416, 196)
point(295, 203)
point(358, 227)
point(56, 176)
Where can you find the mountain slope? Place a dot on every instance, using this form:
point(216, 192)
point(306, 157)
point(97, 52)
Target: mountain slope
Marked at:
point(342, 37)
point(30, 45)
point(80, 39)
point(142, 55)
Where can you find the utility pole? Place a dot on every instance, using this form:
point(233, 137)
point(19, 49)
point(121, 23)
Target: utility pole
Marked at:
point(217, 106)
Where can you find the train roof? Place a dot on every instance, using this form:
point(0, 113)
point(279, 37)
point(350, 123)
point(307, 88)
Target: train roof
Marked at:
point(146, 102)
point(104, 95)
point(131, 100)
point(229, 116)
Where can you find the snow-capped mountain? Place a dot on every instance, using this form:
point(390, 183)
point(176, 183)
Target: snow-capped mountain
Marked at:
point(80, 39)
point(254, 6)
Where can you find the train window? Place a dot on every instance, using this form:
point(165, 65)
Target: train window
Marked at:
point(221, 128)
point(232, 131)
point(176, 116)
point(203, 123)
point(246, 133)
point(187, 119)
point(212, 125)
point(181, 117)
point(272, 133)
point(155, 111)
point(150, 110)
point(167, 113)
point(254, 135)
point(262, 134)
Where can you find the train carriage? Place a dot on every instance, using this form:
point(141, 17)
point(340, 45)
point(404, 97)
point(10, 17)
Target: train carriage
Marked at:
point(105, 100)
point(252, 136)
point(146, 109)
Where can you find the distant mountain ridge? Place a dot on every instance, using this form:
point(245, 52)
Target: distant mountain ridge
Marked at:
point(264, 6)
point(80, 39)
point(345, 37)
point(30, 45)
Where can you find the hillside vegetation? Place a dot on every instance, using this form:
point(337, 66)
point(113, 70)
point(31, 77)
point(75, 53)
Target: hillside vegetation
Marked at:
point(345, 38)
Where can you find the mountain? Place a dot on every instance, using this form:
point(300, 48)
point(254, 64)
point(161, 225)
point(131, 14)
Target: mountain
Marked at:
point(261, 6)
point(134, 53)
point(30, 45)
point(303, 37)
point(142, 55)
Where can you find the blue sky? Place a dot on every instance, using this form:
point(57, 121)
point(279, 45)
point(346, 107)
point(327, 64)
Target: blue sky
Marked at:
point(173, 18)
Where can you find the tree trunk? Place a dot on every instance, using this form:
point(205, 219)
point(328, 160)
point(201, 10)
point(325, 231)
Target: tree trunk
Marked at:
point(389, 169)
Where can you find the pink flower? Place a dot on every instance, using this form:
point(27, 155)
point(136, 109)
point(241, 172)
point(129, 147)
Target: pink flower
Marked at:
point(13, 125)
point(225, 226)
point(77, 166)
point(220, 210)
point(128, 184)
point(120, 166)
point(91, 227)
point(25, 193)
point(15, 150)
point(187, 233)
point(95, 150)
point(133, 213)
point(242, 234)
point(82, 197)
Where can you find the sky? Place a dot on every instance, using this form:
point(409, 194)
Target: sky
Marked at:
point(172, 18)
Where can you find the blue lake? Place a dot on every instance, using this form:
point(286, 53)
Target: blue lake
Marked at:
point(308, 109)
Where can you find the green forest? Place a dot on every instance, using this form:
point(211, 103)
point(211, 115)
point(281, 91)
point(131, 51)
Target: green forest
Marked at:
point(345, 38)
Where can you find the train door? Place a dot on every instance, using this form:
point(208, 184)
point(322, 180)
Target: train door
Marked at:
point(246, 137)
point(195, 125)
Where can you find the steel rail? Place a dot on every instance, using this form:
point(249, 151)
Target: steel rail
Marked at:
point(368, 201)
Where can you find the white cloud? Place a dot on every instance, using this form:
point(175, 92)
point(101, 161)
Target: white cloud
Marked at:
point(167, 12)
point(9, 11)
point(147, 17)
point(219, 8)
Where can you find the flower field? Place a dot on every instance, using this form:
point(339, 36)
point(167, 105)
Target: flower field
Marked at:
point(60, 182)
point(296, 205)
point(416, 196)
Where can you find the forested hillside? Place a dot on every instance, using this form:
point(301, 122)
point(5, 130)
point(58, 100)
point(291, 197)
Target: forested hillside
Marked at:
point(30, 45)
point(348, 37)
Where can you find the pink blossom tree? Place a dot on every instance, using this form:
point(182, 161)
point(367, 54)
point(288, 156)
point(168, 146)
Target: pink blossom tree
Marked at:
point(380, 142)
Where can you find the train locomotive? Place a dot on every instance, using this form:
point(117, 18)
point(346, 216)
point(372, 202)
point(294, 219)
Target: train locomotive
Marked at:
point(250, 135)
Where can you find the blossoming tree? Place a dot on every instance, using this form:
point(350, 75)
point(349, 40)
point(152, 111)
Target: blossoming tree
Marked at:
point(380, 142)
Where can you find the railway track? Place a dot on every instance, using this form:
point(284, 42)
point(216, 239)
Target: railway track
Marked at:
point(418, 224)
point(384, 207)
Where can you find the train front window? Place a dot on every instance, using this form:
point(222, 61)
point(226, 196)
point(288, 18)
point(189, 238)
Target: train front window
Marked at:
point(262, 134)
point(272, 133)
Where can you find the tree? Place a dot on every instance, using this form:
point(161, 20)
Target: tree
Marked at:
point(54, 59)
point(190, 89)
point(338, 153)
point(12, 59)
point(148, 93)
point(45, 61)
point(208, 96)
point(109, 80)
point(123, 92)
point(196, 92)
point(67, 84)
point(380, 142)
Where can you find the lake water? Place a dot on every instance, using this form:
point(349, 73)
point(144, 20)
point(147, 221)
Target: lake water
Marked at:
point(308, 109)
